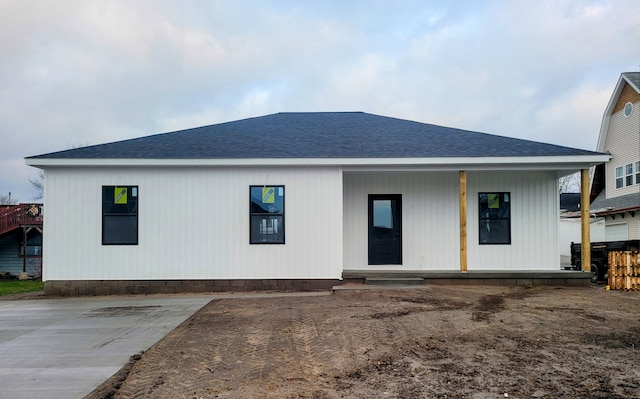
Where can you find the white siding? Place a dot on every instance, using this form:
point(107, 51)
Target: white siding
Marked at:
point(193, 224)
point(430, 218)
point(534, 222)
point(430, 234)
point(623, 142)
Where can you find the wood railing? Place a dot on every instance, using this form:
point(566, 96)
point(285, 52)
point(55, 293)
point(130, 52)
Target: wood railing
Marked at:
point(13, 216)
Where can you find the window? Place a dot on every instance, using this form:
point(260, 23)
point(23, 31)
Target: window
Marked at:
point(637, 172)
point(119, 215)
point(628, 178)
point(266, 214)
point(628, 109)
point(495, 218)
point(34, 245)
point(619, 181)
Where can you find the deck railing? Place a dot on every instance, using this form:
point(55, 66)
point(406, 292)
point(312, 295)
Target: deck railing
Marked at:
point(14, 216)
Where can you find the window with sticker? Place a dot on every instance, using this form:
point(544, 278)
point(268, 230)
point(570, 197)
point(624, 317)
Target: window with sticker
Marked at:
point(495, 218)
point(266, 214)
point(120, 215)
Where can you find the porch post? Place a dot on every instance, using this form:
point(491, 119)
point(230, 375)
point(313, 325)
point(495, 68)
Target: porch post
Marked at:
point(463, 221)
point(585, 215)
point(24, 249)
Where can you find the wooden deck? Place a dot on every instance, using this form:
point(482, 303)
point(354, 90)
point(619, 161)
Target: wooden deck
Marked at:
point(13, 217)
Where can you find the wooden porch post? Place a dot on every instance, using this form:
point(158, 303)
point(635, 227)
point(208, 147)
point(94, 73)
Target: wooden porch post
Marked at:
point(585, 215)
point(463, 221)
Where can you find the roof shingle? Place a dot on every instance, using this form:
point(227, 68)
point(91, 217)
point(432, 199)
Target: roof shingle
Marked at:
point(317, 135)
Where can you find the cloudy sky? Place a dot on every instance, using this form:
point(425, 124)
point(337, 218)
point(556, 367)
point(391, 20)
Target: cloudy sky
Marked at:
point(88, 72)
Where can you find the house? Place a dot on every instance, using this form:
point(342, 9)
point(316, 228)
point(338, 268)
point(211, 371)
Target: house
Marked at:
point(301, 200)
point(21, 240)
point(615, 190)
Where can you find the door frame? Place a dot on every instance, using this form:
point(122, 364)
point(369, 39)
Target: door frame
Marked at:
point(397, 226)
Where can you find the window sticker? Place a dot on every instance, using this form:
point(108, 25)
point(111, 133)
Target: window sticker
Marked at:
point(494, 201)
point(268, 195)
point(120, 195)
point(134, 192)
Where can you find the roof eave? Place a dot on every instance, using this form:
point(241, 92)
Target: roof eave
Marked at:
point(453, 163)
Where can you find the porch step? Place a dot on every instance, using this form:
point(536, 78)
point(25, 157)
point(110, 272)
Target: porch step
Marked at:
point(394, 281)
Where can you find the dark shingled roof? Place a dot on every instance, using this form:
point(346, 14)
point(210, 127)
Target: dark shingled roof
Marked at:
point(317, 135)
point(602, 203)
point(634, 77)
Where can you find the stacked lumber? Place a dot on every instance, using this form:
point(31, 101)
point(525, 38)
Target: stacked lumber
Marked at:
point(624, 270)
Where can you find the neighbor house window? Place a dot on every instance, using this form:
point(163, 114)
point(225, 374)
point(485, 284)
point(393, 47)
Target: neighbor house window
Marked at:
point(637, 172)
point(266, 214)
point(628, 176)
point(495, 218)
point(619, 180)
point(34, 246)
point(119, 215)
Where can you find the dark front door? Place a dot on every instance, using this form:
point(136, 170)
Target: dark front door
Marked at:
point(385, 229)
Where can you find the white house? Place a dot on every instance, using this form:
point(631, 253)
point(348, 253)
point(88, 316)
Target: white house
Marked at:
point(301, 200)
point(615, 192)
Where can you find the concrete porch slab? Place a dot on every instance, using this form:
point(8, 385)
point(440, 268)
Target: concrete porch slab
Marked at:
point(478, 277)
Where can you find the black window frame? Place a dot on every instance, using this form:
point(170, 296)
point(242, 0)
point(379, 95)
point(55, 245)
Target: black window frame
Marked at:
point(112, 211)
point(279, 238)
point(488, 217)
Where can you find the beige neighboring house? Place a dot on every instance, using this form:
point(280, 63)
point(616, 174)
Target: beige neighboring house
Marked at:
point(615, 189)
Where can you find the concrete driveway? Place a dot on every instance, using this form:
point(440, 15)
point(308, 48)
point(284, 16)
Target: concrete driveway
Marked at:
point(65, 348)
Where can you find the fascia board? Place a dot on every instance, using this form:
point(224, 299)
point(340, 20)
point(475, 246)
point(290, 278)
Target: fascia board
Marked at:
point(477, 163)
point(606, 117)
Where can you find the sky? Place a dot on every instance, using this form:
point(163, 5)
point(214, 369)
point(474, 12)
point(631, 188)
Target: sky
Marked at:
point(85, 72)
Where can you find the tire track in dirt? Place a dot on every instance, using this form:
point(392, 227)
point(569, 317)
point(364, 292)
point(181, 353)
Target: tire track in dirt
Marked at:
point(306, 338)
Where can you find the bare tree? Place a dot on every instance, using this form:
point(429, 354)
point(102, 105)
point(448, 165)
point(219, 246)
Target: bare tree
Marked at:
point(37, 183)
point(7, 200)
point(570, 183)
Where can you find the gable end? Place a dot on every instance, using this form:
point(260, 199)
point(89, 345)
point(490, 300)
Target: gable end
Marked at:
point(628, 95)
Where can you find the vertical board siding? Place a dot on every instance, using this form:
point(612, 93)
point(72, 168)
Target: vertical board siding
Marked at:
point(431, 220)
point(534, 222)
point(623, 142)
point(193, 224)
point(430, 212)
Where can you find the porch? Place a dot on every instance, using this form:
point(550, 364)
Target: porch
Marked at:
point(521, 278)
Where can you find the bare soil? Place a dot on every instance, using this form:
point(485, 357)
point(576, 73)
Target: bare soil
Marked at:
point(439, 342)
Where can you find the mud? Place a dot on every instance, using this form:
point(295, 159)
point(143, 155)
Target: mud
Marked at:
point(445, 342)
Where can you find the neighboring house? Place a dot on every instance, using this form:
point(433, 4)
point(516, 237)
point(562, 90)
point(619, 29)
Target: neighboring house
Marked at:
point(300, 200)
point(615, 190)
point(20, 234)
point(570, 227)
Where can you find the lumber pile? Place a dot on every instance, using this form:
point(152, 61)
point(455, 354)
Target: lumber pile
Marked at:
point(624, 270)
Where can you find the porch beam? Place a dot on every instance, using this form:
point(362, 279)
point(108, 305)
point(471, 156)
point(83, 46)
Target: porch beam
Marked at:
point(585, 215)
point(463, 221)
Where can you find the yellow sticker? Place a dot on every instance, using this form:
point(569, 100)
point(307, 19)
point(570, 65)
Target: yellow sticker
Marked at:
point(494, 201)
point(120, 195)
point(268, 195)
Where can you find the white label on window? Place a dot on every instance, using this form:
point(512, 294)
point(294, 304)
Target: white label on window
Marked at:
point(134, 191)
point(280, 192)
point(506, 198)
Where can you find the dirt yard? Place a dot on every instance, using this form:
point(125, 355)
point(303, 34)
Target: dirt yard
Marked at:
point(438, 342)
